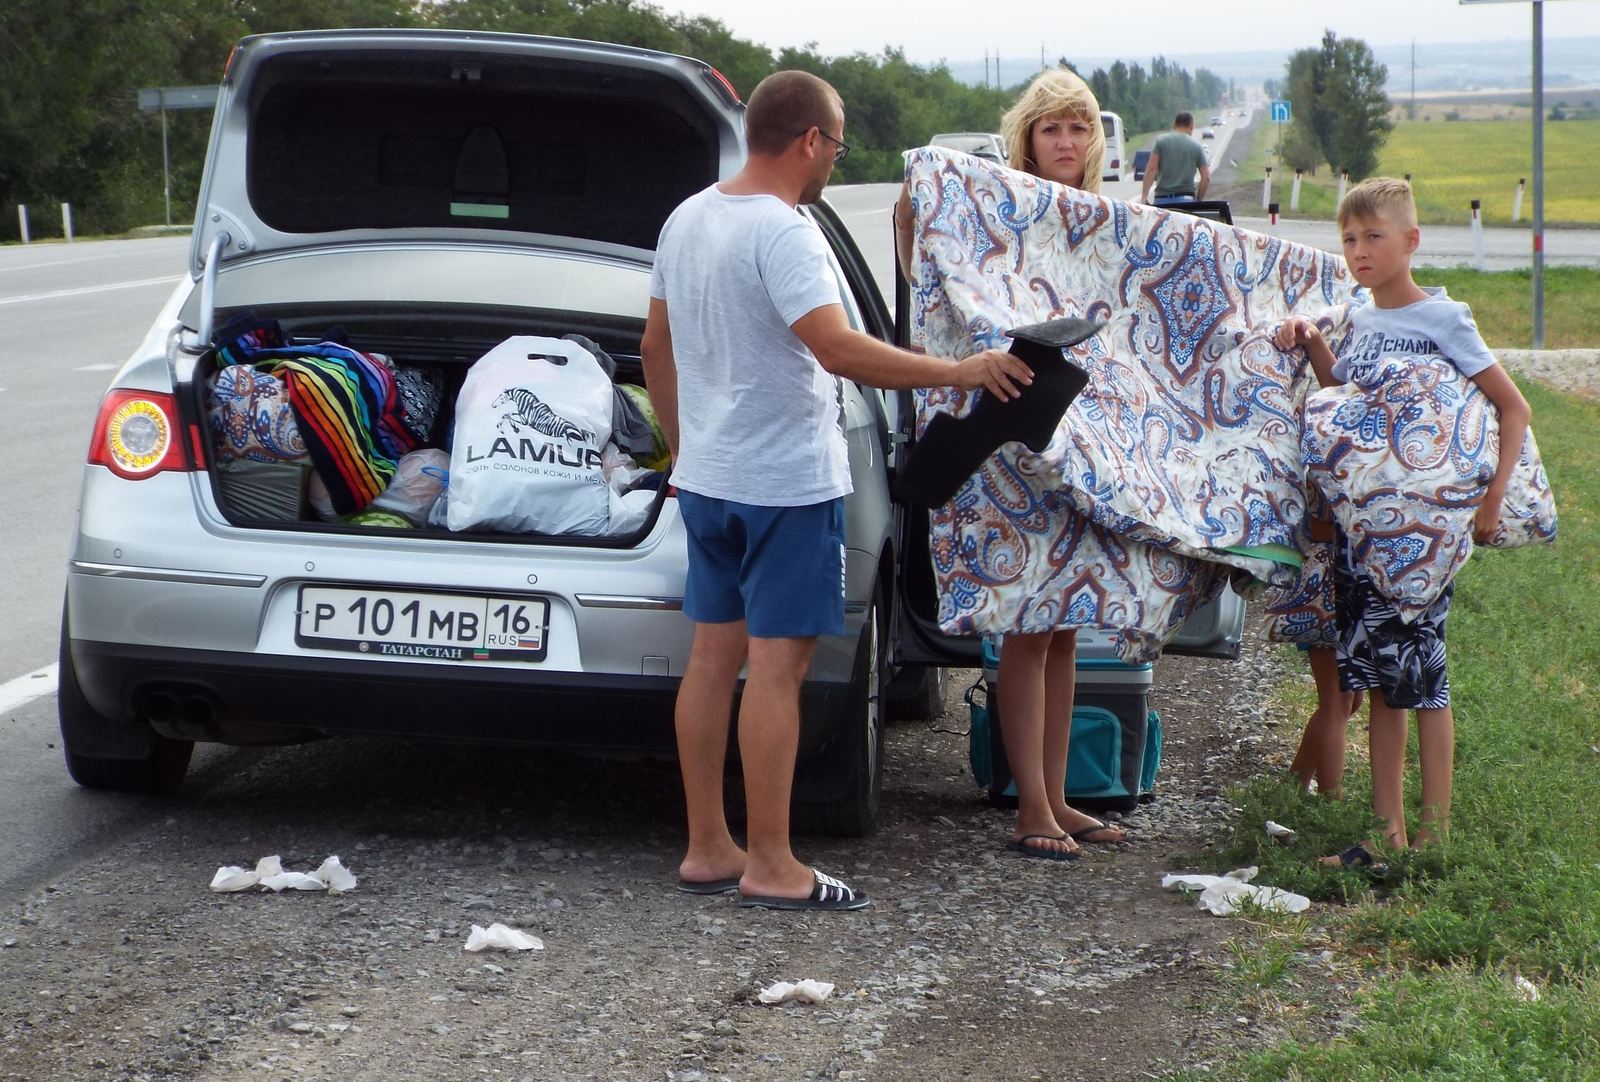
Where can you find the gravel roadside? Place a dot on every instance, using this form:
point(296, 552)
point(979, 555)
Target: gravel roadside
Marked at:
point(971, 964)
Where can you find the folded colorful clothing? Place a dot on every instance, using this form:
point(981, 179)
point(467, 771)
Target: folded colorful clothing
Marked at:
point(346, 403)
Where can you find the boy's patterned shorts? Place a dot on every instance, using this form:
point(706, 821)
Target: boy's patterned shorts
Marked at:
point(1379, 651)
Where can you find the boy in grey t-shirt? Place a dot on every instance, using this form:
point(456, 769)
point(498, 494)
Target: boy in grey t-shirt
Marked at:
point(1401, 663)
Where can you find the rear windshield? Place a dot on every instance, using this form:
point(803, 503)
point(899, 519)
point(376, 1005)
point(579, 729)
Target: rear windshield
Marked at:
point(566, 148)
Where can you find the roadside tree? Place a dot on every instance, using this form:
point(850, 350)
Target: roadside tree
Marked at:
point(1340, 106)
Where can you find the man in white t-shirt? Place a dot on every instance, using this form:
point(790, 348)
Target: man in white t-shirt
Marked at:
point(744, 348)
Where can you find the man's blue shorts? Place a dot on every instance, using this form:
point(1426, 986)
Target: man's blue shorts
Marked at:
point(779, 569)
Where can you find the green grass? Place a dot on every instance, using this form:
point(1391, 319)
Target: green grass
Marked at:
point(1451, 164)
point(1514, 892)
point(1502, 303)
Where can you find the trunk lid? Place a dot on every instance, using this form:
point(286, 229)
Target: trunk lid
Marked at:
point(344, 137)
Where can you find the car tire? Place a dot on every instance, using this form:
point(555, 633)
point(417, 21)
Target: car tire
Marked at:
point(838, 793)
point(159, 762)
point(916, 695)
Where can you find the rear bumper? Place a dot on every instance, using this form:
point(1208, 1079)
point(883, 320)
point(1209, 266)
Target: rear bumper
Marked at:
point(232, 698)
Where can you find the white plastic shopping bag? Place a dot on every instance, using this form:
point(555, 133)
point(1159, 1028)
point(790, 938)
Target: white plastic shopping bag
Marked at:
point(532, 420)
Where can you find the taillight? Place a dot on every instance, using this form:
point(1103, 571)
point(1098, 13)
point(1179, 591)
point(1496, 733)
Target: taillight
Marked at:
point(136, 434)
point(733, 95)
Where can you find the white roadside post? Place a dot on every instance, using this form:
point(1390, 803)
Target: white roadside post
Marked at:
point(1344, 185)
point(1294, 193)
point(22, 222)
point(1477, 233)
point(1516, 202)
point(66, 221)
point(1266, 189)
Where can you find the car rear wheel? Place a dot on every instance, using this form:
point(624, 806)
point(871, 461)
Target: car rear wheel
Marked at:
point(839, 791)
point(154, 763)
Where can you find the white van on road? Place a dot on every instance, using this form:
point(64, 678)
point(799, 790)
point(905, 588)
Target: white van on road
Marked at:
point(1116, 147)
point(988, 145)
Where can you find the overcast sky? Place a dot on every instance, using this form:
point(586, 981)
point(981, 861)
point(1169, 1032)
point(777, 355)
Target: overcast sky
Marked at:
point(955, 30)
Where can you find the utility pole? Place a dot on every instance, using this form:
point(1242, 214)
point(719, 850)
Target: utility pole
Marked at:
point(1538, 174)
point(1413, 112)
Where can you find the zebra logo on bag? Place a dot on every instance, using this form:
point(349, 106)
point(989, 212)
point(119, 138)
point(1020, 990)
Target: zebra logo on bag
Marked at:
point(565, 443)
point(528, 412)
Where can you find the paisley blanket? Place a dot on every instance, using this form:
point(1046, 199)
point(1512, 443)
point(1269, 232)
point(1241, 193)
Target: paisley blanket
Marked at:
point(1403, 454)
point(1180, 466)
point(1303, 612)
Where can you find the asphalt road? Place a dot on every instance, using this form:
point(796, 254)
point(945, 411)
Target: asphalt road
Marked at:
point(69, 316)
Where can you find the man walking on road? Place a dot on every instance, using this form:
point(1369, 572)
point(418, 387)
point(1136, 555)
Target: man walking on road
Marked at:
point(744, 348)
point(1175, 161)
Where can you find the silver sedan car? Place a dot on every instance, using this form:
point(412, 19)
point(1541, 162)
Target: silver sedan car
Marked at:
point(422, 196)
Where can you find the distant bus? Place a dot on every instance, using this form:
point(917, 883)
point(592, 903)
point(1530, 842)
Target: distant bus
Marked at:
point(1116, 146)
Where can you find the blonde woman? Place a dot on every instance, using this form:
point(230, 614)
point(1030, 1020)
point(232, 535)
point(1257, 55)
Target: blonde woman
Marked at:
point(1053, 132)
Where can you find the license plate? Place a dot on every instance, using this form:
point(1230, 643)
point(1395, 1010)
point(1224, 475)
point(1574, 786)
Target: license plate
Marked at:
point(408, 624)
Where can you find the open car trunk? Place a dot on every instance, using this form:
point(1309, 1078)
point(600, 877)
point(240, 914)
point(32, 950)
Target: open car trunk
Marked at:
point(255, 445)
point(423, 196)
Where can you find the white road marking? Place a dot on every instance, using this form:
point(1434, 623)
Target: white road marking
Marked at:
point(59, 262)
point(166, 280)
point(25, 689)
point(97, 368)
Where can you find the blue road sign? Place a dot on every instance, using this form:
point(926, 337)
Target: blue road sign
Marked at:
point(1280, 110)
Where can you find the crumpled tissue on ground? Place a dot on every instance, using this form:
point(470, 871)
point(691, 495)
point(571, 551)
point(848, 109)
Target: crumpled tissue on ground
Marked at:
point(1222, 895)
point(806, 991)
point(331, 876)
point(1280, 833)
point(499, 937)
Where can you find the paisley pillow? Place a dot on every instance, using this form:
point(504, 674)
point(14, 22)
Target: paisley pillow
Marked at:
point(249, 417)
point(1404, 456)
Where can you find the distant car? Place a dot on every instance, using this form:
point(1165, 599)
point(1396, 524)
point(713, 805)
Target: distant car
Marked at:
point(1140, 160)
point(1208, 133)
point(981, 144)
point(1216, 122)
